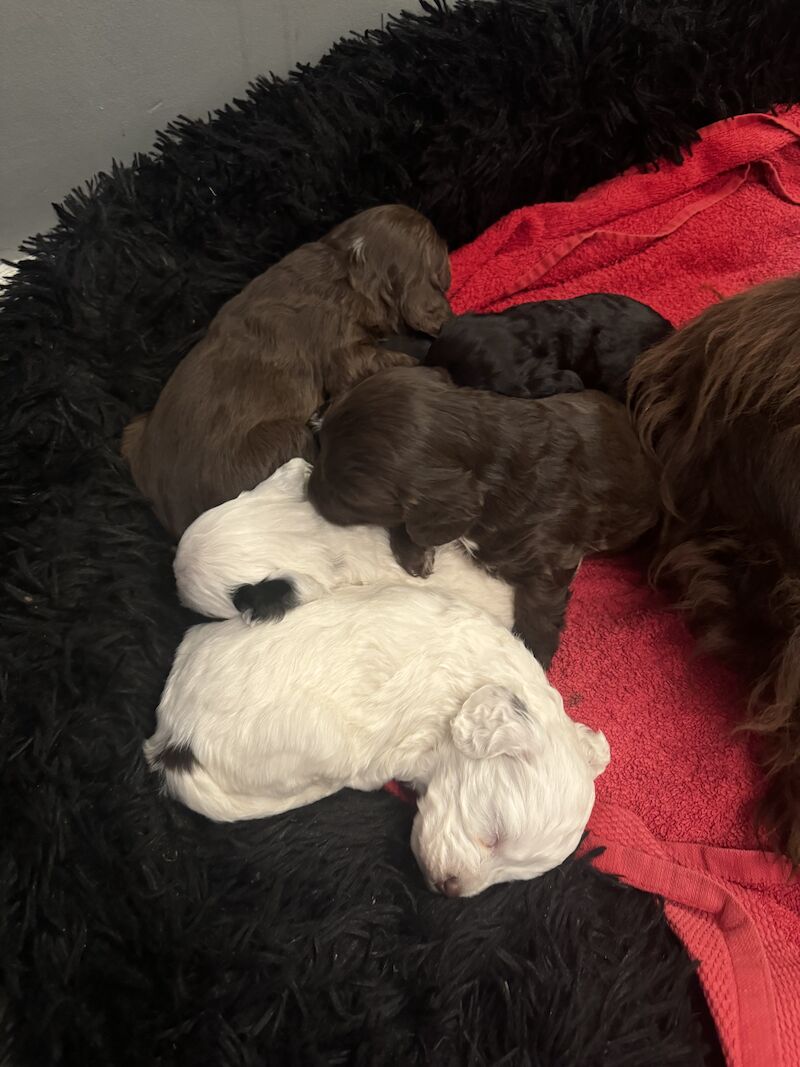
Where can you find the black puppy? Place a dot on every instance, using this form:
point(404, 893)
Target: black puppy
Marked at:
point(546, 347)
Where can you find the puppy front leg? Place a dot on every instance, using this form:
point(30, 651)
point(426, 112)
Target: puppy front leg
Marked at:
point(540, 604)
point(560, 381)
point(347, 367)
point(416, 561)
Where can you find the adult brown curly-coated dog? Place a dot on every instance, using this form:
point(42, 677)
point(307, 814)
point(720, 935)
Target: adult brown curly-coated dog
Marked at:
point(304, 331)
point(531, 485)
point(717, 405)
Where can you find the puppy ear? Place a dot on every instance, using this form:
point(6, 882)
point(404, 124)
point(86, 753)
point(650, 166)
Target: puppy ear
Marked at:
point(595, 747)
point(424, 308)
point(445, 505)
point(495, 722)
point(291, 479)
point(368, 271)
point(423, 303)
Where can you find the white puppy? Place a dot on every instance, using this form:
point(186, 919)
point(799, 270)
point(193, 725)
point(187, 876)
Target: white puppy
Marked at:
point(270, 550)
point(373, 684)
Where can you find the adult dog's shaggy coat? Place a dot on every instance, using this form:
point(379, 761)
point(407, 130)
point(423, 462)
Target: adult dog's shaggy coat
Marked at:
point(133, 932)
point(717, 405)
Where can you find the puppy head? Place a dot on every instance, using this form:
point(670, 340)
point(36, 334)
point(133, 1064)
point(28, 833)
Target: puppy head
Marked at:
point(511, 796)
point(262, 553)
point(398, 261)
point(397, 450)
point(367, 449)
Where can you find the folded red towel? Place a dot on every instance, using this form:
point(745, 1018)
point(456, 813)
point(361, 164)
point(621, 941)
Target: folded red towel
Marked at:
point(677, 238)
point(675, 805)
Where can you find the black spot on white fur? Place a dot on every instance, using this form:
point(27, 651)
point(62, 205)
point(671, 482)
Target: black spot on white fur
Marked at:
point(177, 758)
point(266, 601)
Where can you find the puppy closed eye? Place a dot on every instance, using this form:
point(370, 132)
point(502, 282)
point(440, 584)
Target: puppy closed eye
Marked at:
point(489, 842)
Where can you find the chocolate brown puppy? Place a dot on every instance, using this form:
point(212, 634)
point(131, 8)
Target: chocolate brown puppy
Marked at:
point(306, 330)
point(531, 486)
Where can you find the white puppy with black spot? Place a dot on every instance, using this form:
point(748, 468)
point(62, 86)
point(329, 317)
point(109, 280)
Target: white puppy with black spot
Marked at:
point(370, 684)
point(268, 551)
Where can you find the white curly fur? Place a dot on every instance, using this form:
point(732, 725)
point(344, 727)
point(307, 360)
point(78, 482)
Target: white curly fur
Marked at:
point(370, 684)
point(273, 532)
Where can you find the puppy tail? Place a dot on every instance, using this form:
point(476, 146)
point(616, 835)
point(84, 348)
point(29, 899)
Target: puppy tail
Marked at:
point(184, 777)
point(132, 438)
point(188, 781)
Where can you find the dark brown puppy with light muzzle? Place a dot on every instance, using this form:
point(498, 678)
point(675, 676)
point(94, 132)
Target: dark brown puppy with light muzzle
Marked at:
point(238, 406)
point(531, 485)
point(717, 405)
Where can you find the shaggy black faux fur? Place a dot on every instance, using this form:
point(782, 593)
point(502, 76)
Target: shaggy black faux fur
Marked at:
point(133, 933)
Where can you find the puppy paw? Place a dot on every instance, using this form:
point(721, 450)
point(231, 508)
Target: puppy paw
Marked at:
point(388, 359)
point(428, 561)
point(418, 562)
point(555, 384)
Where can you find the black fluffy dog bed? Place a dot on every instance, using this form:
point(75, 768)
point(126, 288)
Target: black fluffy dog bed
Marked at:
point(133, 932)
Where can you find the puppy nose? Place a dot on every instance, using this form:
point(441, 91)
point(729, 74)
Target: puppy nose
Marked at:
point(449, 887)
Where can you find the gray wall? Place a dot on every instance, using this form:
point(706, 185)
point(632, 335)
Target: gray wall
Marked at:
point(85, 81)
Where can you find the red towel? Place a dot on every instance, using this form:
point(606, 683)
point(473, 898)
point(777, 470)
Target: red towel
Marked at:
point(675, 805)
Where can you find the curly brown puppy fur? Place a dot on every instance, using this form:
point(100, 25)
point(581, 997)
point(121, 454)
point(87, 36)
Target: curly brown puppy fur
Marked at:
point(532, 485)
point(717, 405)
point(238, 405)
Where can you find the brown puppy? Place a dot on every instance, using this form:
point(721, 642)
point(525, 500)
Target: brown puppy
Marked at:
point(532, 485)
point(717, 405)
point(237, 406)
